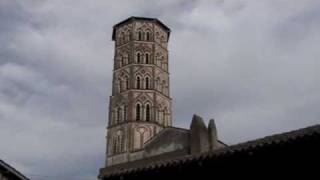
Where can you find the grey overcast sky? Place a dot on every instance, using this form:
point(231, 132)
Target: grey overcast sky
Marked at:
point(251, 65)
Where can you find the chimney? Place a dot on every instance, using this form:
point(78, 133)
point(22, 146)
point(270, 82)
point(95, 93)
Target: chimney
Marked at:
point(212, 133)
point(199, 142)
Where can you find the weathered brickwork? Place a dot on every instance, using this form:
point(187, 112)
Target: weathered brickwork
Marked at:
point(140, 104)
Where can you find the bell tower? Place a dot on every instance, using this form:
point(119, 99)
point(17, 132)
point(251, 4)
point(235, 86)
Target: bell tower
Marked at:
point(140, 104)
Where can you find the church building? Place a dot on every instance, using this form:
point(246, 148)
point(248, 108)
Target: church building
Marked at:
point(140, 114)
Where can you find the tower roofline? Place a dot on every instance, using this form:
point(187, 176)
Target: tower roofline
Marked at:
point(135, 18)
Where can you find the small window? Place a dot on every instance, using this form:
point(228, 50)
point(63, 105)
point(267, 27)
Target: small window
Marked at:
point(138, 57)
point(118, 115)
point(139, 35)
point(156, 84)
point(114, 148)
point(138, 112)
point(148, 36)
point(127, 83)
point(148, 112)
point(147, 58)
point(121, 143)
point(119, 85)
point(138, 83)
point(147, 83)
point(125, 113)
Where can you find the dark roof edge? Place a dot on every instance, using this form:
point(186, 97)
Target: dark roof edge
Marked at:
point(266, 141)
point(13, 170)
point(142, 19)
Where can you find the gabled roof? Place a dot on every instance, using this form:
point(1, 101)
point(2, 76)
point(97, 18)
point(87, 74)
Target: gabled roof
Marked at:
point(166, 129)
point(134, 18)
point(279, 140)
point(12, 171)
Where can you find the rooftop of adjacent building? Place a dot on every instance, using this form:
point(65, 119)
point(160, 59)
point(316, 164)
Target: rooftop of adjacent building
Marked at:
point(11, 172)
point(282, 141)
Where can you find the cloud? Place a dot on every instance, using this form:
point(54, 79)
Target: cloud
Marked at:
point(253, 66)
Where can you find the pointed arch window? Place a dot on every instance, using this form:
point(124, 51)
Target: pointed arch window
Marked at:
point(138, 83)
point(138, 112)
point(114, 146)
point(121, 38)
point(118, 142)
point(127, 36)
point(156, 84)
point(139, 35)
point(147, 58)
point(148, 112)
point(119, 85)
point(125, 117)
point(164, 117)
point(160, 116)
point(118, 115)
point(122, 61)
point(148, 36)
point(125, 59)
point(147, 83)
point(126, 83)
point(138, 57)
point(121, 143)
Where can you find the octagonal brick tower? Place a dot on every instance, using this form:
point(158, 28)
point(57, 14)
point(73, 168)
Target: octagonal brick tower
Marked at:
point(140, 104)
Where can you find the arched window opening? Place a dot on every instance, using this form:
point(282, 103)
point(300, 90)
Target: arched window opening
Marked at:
point(157, 115)
point(147, 83)
point(126, 83)
point(118, 144)
point(121, 38)
point(148, 112)
point(160, 116)
point(162, 39)
point(121, 143)
point(138, 112)
point(164, 117)
point(138, 83)
point(125, 118)
point(161, 64)
point(138, 58)
point(139, 35)
point(120, 63)
point(127, 36)
point(148, 36)
point(156, 84)
point(159, 60)
point(121, 85)
point(147, 58)
point(124, 59)
point(114, 146)
point(118, 115)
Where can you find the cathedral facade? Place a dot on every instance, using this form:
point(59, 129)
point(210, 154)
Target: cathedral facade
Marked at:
point(140, 105)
